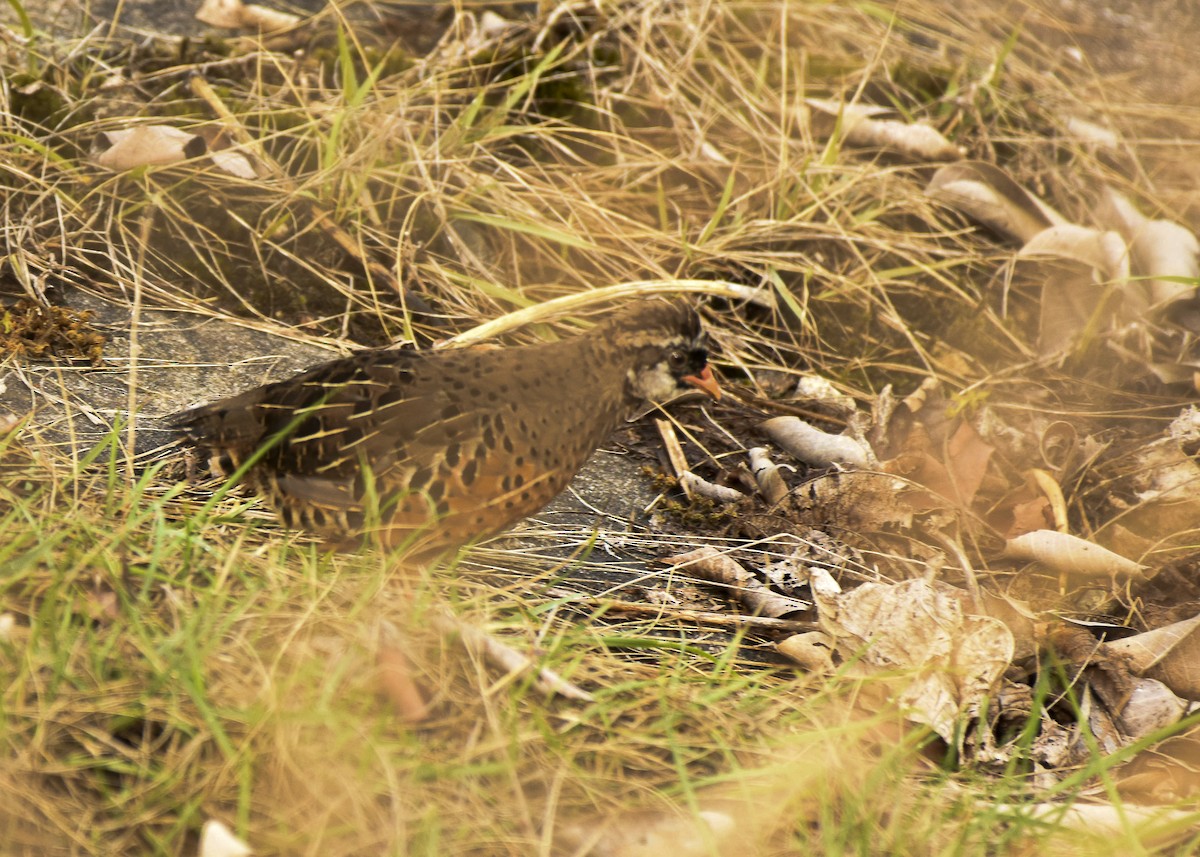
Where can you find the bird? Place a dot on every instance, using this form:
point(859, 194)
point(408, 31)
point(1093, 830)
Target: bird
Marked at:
point(432, 450)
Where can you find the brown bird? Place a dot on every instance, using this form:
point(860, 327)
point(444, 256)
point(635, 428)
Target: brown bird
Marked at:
point(447, 447)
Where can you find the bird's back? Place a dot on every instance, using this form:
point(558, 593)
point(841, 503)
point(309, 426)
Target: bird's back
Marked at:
point(392, 441)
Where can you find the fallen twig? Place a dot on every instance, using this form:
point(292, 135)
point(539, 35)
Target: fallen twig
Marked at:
point(506, 657)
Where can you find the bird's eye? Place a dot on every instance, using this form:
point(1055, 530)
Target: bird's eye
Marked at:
point(676, 359)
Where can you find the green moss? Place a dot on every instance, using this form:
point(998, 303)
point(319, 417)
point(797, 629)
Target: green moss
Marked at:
point(697, 512)
point(34, 100)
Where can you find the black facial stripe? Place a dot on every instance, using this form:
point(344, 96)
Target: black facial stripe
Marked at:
point(694, 361)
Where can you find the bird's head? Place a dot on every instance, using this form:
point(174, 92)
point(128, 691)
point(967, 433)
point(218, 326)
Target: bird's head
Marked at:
point(668, 350)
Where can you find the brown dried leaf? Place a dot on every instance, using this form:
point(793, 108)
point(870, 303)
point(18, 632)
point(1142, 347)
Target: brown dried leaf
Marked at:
point(1150, 707)
point(858, 500)
point(767, 476)
point(505, 657)
point(820, 393)
point(922, 469)
point(951, 480)
point(1168, 775)
point(967, 457)
point(235, 163)
point(1151, 824)
point(1091, 134)
point(813, 651)
point(1029, 515)
point(693, 485)
point(162, 145)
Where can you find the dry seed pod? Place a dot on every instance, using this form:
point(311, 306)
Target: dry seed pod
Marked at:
point(1066, 553)
point(766, 474)
point(234, 14)
point(913, 139)
point(710, 564)
point(816, 447)
point(695, 486)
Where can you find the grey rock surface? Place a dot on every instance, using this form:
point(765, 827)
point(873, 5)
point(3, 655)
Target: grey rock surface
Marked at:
point(183, 360)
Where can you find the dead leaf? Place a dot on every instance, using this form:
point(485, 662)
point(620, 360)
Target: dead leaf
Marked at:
point(956, 660)
point(146, 145)
point(693, 485)
point(923, 470)
point(1081, 273)
point(1170, 654)
point(1037, 504)
point(1159, 249)
point(1151, 823)
point(162, 145)
point(820, 393)
point(987, 194)
point(1091, 134)
point(1151, 707)
point(951, 476)
point(1027, 516)
point(506, 657)
point(1168, 774)
point(1182, 372)
point(396, 678)
point(858, 500)
point(967, 457)
point(1165, 476)
point(235, 163)
point(1052, 492)
point(812, 651)
point(1164, 469)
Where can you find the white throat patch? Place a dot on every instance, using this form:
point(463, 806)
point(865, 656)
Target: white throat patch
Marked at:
point(655, 384)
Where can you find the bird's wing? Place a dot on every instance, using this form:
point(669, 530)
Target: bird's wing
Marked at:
point(319, 420)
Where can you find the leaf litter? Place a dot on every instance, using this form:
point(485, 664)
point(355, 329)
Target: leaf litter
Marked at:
point(986, 439)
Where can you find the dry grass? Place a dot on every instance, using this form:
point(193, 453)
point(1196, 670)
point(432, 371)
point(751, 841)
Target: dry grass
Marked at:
point(173, 661)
